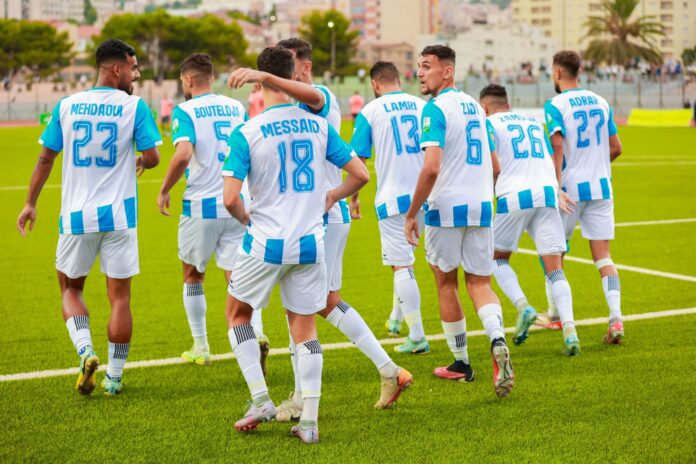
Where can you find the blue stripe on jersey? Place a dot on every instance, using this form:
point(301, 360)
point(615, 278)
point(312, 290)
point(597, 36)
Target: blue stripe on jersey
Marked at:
point(606, 191)
point(584, 191)
point(76, 224)
point(461, 215)
point(105, 217)
point(186, 211)
point(60, 225)
point(308, 249)
point(209, 208)
point(345, 212)
point(549, 197)
point(432, 218)
point(274, 251)
point(246, 244)
point(486, 214)
point(525, 199)
point(382, 211)
point(326, 218)
point(131, 212)
point(404, 203)
point(502, 206)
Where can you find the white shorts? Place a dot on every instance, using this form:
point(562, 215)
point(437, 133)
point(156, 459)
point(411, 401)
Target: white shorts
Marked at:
point(303, 287)
point(596, 220)
point(396, 251)
point(118, 252)
point(543, 224)
point(469, 247)
point(199, 238)
point(335, 240)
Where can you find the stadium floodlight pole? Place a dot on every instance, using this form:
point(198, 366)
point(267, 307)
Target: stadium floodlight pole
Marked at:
point(333, 46)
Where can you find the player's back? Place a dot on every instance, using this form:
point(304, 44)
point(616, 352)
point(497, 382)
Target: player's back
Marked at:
point(207, 122)
point(586, 121)
point(391, 123)
point(97, 131)
point(463, 191)
point(286, 163)
point(527, 176)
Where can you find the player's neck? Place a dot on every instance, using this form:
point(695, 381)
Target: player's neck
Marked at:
point(569, 85)
point(447, 84)
point(273, 98)
point(198, 91)
point(390, 89)
point(104, 81)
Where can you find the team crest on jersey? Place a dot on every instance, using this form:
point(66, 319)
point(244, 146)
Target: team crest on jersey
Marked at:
point(175, 125)
point(426, 124)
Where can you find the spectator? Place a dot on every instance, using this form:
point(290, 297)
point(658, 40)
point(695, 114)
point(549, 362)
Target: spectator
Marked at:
point(356, 103)
point(166, 108)
point(256, 105)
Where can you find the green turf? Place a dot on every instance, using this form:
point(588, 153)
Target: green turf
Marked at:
point(617, 405)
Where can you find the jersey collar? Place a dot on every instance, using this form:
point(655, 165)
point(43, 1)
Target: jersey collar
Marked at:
point(282, 105)
point(202, 95)
point(448, 89)
point(577, 89)
point(394, 92)
point(102, 87)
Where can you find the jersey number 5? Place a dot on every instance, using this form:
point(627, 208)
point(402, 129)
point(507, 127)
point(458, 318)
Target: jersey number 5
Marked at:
point(302, 175)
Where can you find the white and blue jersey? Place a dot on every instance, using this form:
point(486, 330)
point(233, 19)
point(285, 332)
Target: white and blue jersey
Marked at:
point(586, 122)
point(463, 192)
point(339, 213)
point(283, 154)
point(207, 122)
point(98, 131)
point(527, 173)
point(391, 123)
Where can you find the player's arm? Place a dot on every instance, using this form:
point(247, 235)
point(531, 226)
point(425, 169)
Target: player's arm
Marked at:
point(496, 166)
point(355, 199)
point(556, 127)
point(175, 171)
point(234, 171)
point(304, 93)
point(42, 170)
point(426, 181)
point(361, 141)
point(147, 138)
point(490, 131)
point(340, 154)
point(615, 147)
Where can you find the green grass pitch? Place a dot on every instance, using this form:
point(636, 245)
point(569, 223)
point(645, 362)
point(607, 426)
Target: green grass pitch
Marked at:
point(633, 403)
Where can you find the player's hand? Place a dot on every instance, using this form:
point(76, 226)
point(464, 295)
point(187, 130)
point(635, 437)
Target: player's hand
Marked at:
point(163, 203)
point(330, 201)
point(355, 208)
point(565, 203)
point(139, 168)
point(241, 76)
point(246, 219)
point(28, 214)
point(411, 231)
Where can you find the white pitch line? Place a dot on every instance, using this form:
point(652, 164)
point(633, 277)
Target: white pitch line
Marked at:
point(333, 346)
point(652, 163)
point(640, 270)
point(651, 223)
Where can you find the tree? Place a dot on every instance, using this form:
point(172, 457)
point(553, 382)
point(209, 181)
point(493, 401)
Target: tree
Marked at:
point(90, 13)
point(32, 47)
point(616, 39)
point(688, 56)
point(315, 30)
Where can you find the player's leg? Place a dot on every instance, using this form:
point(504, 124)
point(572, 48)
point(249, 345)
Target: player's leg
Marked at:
point(443, 251)
point(75, 255)
point(397, 253)
point(120, 262)
point(476, 252)
point(302, 290)
point(396, 317)
point(252, 284)
point(508, 228)
point(597, 225)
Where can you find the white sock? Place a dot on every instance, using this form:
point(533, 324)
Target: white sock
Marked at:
point(246, 350)
point(118, 353)
point(455, 333)
point(508, 282)
point(297, 393)
point(612, 292)
point(195, 305)
point(491, 316)
point(396, 314)
point(553, 310)
point(78, 329)
point(310, 361)
point(407, 290)
point(346, 319)
point(257, 322)
point(560, 289)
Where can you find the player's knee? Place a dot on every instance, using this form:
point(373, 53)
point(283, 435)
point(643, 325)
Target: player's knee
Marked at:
point(500, 262)
point(605, 266)
point(556, 275)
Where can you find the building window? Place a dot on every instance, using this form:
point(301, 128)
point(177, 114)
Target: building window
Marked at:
point(666, 18)
point(666, 5)
point(488, 43)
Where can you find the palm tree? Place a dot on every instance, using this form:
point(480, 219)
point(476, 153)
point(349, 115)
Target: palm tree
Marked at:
point(616, 39)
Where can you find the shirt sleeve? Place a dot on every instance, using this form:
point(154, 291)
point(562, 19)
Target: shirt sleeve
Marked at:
point(547, 140)
point(324, 111)
point(362, 137)
point(238, 160)
point(52, 136)
point(246, 116)
point(338, 152)
point(183, 129)
point(613, 130)
point(146, 133)
point(554, 119)
point(491, 135)
point(434, 125)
